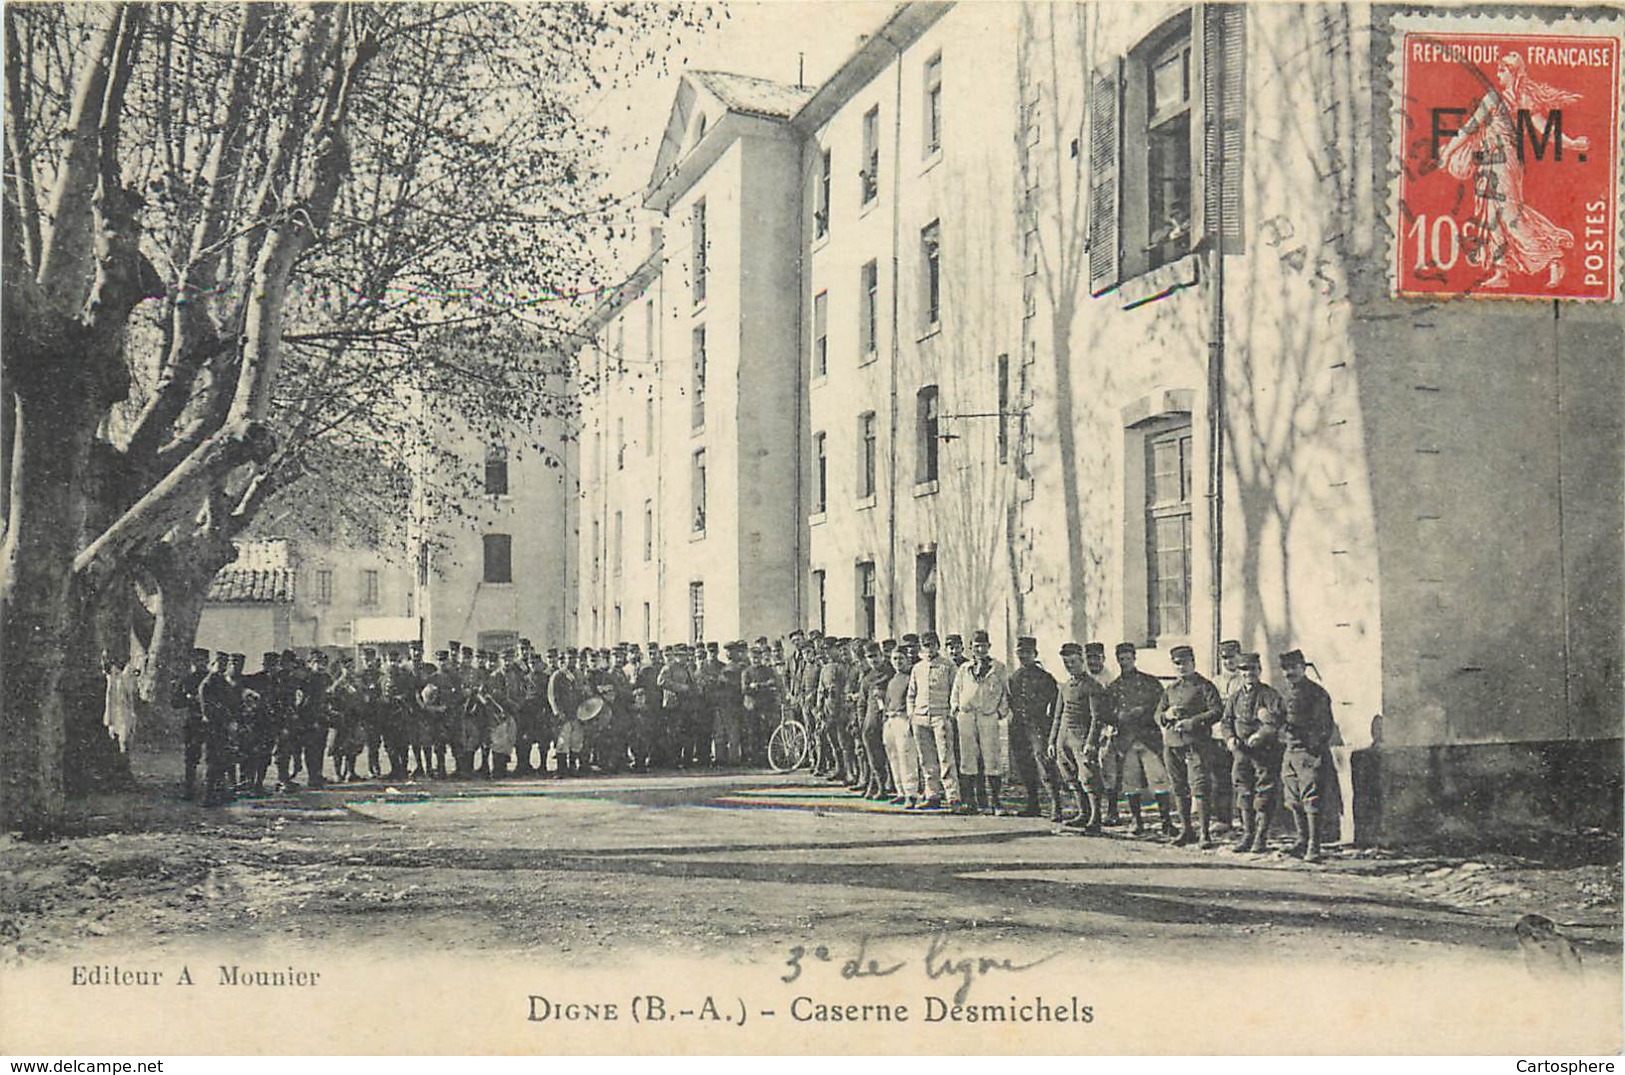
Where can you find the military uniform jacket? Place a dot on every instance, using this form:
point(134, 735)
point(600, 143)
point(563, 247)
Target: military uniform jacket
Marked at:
point(219, 701)
point(986, 694)
point(931, 687)
point(677, 678)
point(1135, 696)
point(831, 687)
point(760, 684)
point(1309, 723)
point(1188, 709)
point(185, 696)
point(1250, 710)
point(1083, 704)
point(564, 694)
point(873, 703)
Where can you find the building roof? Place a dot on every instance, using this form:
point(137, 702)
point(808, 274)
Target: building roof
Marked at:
point(754, 96)
point(269, 585)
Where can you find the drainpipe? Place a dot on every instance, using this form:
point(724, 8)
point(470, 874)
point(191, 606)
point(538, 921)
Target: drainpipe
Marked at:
point(1215, 390)
point(896, 350)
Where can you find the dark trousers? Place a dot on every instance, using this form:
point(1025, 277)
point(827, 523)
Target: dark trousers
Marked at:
point(1255, 774)
point(1029, 756)
point(1187, 771)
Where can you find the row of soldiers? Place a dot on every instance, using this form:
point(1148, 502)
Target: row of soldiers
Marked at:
point(471, 713)
point(927, 730)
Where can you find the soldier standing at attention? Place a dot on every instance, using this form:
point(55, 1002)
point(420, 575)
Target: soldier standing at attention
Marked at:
point(981, 709)
point(930, 705)
point(763, 692)
point(902, 755)
point(955, 645)
point(1253, 715)
point(1032, 701)
point(565, 694)
point(1108, 762)
point(1081, 707)
point(317, 719)
point(872, 721)
point(1305, 736)
point(1135, 696)
point(1218, 757)
point(184, 699)
point(1189, 707)
point(219, 700)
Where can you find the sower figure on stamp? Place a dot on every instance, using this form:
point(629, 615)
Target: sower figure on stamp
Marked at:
point(1189, 707)
point(1305, 736)
point(1032, 700)
point(1253, 715)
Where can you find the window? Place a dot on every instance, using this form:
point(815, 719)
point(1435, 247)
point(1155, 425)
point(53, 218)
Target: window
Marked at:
point(498, 558)
point(821, 195)
point(696, 611)
point(697, 483)
point(1168, 150)
point(1168, 531)
point(324, 586)
point(925, 590)
point(649, 426)
point(620, 443)
point(927, 425)
point(932, 112)
point(866, 599)
point(820, 475)
point(698, 252)
point(648, 531)
point(818, 598)
point(369, 588)
point(697, 390)
point(1165, 146)
point(615, 557)
point(597, 539)
point(869, 174)
point(866, 455)
point(820, 334)
point(496, 470)
point(869, 309)
point(931, 276)
point(1004, 408)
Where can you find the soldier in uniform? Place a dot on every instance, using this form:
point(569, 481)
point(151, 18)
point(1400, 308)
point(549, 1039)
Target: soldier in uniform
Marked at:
point(1032, 701)
point(256, 728)
point(1135, 696)
point(955, 645)
point(1189, 707)
point(316, 719)
point(369, 708)
point(981, 709)
point(348, 740)
point(930, 708)
point(1219, 759)
point(762, 692)
point(1253, 715)
point(1306, 734)
point(1075, 737)
point(727, 707)
point(185, 700)
point(565, 693)
point(902, 754)
point(872, 723)
point(219, 701)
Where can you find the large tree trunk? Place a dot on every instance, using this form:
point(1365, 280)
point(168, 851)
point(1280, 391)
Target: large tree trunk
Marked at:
point(181, 574)
point(39, 598)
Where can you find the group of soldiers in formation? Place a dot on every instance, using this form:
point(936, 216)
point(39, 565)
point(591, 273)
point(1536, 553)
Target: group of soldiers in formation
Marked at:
point(902, 721)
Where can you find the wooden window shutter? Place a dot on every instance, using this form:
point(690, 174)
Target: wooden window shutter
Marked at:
point(1105, 155)
point(1224, 88)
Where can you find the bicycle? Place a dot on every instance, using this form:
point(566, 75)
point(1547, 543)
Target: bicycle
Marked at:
point(790, 745)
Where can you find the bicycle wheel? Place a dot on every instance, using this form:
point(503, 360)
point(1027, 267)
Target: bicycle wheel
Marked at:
point(787, 747)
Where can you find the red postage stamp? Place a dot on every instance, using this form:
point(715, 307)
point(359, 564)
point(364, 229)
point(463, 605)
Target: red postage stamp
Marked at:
point(1508, 183)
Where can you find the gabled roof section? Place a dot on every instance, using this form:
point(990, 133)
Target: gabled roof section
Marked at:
point(754, 96)
point(704, 101)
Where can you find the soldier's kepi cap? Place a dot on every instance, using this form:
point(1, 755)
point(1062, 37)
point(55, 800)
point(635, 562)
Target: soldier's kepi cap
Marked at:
point(1181, 652)
point(199, 651)
point(1292, 658)
point(1126, 647)
point(270, 656)
point(929, 638)
point(1094, 649)
point(1026, 644)
point(1071, 649)
point(979, 635)
point(441, 654)
point(1250, 660)
point(1229, 648)
point(911, 639)
point(954, 638)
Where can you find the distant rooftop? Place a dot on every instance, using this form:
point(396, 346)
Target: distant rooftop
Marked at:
point(754, 96)
point(272, 585)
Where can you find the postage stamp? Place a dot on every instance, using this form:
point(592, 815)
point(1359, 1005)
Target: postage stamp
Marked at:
point(1508, 183)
